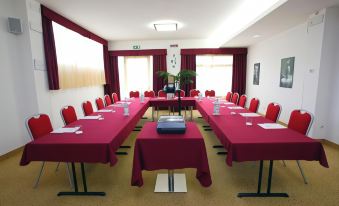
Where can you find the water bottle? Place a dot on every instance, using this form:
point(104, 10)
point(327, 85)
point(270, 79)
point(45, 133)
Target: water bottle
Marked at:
point(126, 109)
point(142, 98)
point(216, 107)
point(200, 97)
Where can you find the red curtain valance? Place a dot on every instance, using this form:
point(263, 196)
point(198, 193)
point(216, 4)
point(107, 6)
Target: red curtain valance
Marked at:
point(214, 51)
point(147, 52)
point(53, 16)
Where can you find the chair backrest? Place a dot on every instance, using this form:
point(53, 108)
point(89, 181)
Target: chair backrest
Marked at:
point(68, 115)
point(194, 92)
point(87, 108)
point(300, 121)
point(242, 100)
point(235, 98)
point(182, 93)
point(115, 97)
point(39, 125)
point(149, 94)
point(229, 96)
point(209, 93)
point(161, 93)
point(100, 103)
point(254, 105)
point(108, 100)
point(134, 94)
point(273, 111)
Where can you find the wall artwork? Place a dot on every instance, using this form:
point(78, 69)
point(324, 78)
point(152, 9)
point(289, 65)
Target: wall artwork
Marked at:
point(287, 72)
point(256, 74)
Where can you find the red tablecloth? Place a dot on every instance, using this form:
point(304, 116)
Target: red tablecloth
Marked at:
point(163, 102)
point(251, 143)
point(98, 143)
point(155, 151)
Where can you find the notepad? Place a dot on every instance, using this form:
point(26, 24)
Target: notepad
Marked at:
point(272, 126)
point(228, 103)
point(235, 107)
point(91, 117)
point(123, 102)
point(65, 130)
point(249, 114)
point(105, 110)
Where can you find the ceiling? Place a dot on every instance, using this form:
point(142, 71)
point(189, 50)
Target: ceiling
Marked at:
point(131, 19)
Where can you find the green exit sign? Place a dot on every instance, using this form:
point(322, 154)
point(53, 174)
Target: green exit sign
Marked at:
point(136, 46)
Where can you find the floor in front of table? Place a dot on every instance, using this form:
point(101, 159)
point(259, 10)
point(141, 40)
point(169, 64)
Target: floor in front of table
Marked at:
point(323, 189)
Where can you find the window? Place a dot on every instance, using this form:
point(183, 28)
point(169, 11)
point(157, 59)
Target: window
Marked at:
point(135, 74)
point(80, 60)
point(214, 72)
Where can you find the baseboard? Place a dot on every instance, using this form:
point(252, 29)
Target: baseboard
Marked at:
point(11, 153)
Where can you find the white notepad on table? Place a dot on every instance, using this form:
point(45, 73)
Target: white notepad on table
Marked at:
point(104, 110)
point(91, 117)
point(236, 107)
point(272, 126)
point(249, 114)
point(65, 130)
point(123, 102)
point(228, 103)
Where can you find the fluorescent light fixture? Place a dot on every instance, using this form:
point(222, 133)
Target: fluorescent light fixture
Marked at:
point(246, 15)
point(256, 36)
point(166, 26)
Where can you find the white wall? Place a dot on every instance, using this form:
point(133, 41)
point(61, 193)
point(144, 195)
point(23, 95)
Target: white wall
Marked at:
point(16, 79)
point(328, 98)
point(51, 102)
point(172, 52)
point(300, 42)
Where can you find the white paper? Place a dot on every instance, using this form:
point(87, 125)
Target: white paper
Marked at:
point(249, 114)
point(236, 107)
point(65, 130)
point(91, 117)
point(105, 110)
point(272, 126)
point(123, 102)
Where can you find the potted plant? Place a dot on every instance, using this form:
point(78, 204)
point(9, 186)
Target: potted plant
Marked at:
point(183, 78)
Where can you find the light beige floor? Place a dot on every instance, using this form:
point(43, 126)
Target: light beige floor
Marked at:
point(323, 188)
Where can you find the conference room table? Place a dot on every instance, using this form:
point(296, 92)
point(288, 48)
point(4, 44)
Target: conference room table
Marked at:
point(154, 151)
point(254, 143)
point(98, 143)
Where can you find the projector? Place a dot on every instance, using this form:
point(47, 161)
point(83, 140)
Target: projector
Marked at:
point(171, 125)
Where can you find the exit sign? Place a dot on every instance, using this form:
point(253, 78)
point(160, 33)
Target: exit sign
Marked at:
point(136, 46)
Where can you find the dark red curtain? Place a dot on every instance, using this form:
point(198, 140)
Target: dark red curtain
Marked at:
point(239, 73)
point(50, 53)
point(159, 64)
point(188, 62)
point(111, 74)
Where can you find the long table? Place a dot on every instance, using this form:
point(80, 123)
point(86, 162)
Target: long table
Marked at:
point(97, 144)
point(253, 143)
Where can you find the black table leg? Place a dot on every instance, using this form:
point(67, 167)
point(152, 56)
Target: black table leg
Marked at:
point(76, 191)
point(268, 193)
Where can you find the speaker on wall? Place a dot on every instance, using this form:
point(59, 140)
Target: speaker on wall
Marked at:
point(14, 25)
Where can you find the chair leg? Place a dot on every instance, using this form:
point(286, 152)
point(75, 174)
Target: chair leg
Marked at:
point(57, 167)
point(284, 163)
point(302, 172)
point(38, 178)
point(69, 175)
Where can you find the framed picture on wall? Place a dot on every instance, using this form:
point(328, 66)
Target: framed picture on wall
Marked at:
point(256, 74)
point(287, 72)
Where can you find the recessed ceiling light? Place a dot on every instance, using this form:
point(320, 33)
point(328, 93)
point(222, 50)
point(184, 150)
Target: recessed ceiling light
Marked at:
point(256, 36)
point(166, 27)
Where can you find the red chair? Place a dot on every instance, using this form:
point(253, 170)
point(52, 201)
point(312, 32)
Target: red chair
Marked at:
point(242, 100)
point(38, 126)
point(115, 97)
point(228, 96)
point(134, 94)
point(100, 103)
point(108, 100)
point(273, 111)
point(254, 105)
point(68, 115)
point(182, 93)
point(209, 93)
point(300, 121)
point(194, 92)
point(235, 98)
point(87, 108)
point(149, 94)
point(161, 93)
